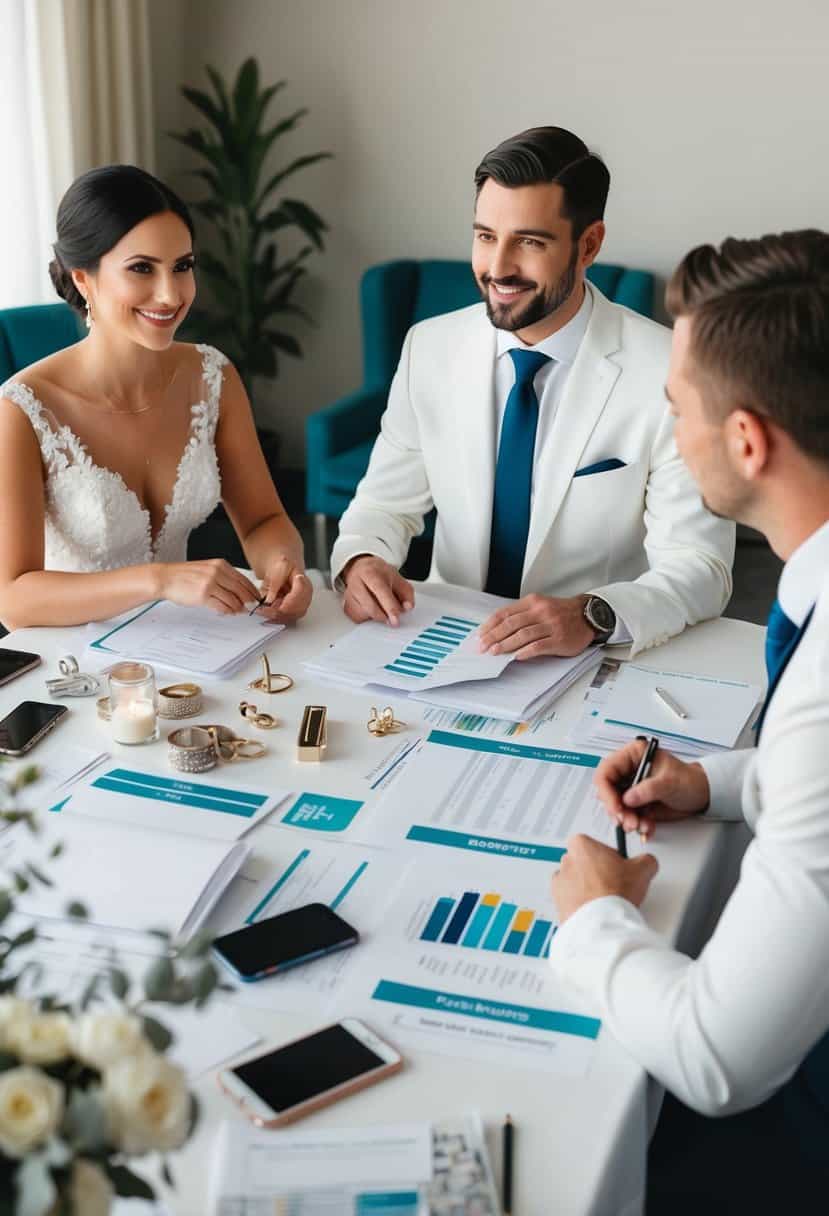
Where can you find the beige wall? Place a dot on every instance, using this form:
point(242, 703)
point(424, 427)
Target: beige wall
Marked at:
point(712, 117)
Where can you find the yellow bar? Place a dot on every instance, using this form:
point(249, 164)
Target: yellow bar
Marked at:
point(523, 919)
point(491, 900)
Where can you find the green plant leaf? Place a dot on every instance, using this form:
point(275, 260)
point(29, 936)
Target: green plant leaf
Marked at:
point(6, 904)
point(209, 109)
point(127, 1184)
point(261, 359)
point(265, 98)
point(301, 162)
point(119, 983)
point(293, 212)
point(35, 1186)
point(157, 1033)
point(38, 875)
point(204, 981)
point(219, 85)
point(159, 980)
point(77, 910)
point(246, 96)
point(21, 882)
point(286, 342)
point(85, 1122)
point(167, 1174)
point(90, 990)
point(197, 946)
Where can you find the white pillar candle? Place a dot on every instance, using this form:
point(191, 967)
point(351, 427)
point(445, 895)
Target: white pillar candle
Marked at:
point(133, 722)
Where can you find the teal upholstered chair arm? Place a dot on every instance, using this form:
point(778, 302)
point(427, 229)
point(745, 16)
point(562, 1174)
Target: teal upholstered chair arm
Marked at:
point(30, 333)
point(348, 423)
point(387, 298)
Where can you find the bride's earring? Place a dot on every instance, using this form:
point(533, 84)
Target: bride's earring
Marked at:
point(89, 317)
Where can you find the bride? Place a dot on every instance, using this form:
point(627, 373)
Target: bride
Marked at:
point(113, 450)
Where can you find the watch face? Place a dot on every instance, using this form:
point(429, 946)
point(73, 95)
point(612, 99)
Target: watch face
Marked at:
point(601, 615)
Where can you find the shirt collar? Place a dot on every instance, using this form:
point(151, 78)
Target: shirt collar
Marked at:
point(563, 345)
point(803, 575)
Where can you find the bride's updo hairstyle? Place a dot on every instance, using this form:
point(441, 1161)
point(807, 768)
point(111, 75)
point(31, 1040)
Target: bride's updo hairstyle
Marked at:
point(98, 209)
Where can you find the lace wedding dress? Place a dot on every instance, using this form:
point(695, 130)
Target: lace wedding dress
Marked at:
point(94, 521)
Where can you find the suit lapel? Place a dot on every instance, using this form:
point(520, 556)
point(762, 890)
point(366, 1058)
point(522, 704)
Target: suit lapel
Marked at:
point(588, 387)
point(472, 453)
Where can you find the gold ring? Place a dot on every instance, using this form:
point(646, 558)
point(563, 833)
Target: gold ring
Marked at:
point(252, 714)
point(383, 723)
point(271, 682)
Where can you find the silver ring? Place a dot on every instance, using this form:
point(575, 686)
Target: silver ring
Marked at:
point(180, 701)
point(191, 749)
point(68, 666)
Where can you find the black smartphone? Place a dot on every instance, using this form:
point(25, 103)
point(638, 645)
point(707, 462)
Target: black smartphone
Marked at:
point(283, 941)
point(26, 724)
point(14, 663)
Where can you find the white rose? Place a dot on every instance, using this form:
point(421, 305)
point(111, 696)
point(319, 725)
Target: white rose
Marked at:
point(89, 1189)
point(41, 1038)
point(103, 1038)
point(12, 1009)
point(31, 1106)
point(147, 1103)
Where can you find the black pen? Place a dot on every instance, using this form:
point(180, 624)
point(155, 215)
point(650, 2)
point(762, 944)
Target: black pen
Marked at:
point(643, 771)
point(257, 605)
point(507, 1167)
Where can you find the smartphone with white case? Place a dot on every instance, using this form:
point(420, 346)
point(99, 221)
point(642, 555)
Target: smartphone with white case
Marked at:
point(309, 1073)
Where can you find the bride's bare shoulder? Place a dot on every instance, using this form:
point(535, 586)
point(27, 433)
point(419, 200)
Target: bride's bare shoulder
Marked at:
point(54, 372)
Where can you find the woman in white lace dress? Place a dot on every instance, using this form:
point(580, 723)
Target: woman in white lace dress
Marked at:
point(114, 449)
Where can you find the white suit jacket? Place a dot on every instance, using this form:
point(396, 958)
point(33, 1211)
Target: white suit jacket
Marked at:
point(726, 1030)
point(638, 536)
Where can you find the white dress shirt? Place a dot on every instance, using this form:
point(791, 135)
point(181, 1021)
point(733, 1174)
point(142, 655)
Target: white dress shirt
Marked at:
point(549, 383)
point(725, 1031)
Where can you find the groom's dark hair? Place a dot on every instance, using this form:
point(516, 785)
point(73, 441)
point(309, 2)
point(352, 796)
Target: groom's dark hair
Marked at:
point(546, 155)
point(98, 209)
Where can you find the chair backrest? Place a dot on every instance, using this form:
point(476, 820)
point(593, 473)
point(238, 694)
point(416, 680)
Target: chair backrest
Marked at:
point(395, 295)
point(31, 333)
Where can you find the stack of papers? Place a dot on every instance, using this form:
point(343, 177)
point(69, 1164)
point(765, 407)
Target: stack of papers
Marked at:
point(717, 711)
point(433, 657)
point(195, 640)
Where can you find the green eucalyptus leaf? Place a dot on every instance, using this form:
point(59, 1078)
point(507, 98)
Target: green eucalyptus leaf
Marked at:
point(38, 875)
point(90, 990)
point(127, 1184)
point(167, 1174)
point(197, 946)
point(77, 910)
point(85, 1121)
point(36, 1190)
point(6, 904)
point(119, 983)
point(25, 938)
point(204, 982)
point(159, 980)
point(21, 882)
point(157, 1033)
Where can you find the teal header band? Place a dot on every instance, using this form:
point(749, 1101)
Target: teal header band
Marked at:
point(502, 747)
point(485, 844)
point(493, 1011)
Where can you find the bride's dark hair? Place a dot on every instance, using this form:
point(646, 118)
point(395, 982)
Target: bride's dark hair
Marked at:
point(99, 208)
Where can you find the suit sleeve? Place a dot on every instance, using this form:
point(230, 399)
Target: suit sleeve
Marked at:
point(690, 554)
point(393, 498)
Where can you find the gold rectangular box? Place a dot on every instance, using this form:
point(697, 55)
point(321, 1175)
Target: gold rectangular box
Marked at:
point(313, 733)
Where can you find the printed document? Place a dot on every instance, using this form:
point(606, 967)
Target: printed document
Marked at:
point(490, 796)
point(459, 964)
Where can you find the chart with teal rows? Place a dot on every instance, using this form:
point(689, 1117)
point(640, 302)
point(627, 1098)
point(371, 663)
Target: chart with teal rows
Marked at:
point(432, 646)
point(487, 922)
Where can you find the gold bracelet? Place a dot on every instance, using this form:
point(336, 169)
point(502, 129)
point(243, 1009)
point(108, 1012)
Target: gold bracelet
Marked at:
point(192, 749)
point(180, 701)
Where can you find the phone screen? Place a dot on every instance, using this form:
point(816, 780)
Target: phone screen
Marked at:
point(284, 939)
point(300, 1071)
point(15, 662)
point(26, 721)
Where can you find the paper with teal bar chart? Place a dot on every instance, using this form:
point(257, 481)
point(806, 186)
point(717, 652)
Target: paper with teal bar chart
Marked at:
point(490, 796)
point(355, 881)
point(461, 966)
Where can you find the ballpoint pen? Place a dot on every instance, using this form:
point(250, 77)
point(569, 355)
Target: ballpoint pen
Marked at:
point(507, 1166)
point(643, 771)
point(257, 605)
point(673, 705)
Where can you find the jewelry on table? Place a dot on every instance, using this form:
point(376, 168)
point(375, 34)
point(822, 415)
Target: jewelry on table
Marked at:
point(312, 739)
point(383, 723)
point(72, 682)
point(252, 714)
point(230, 747)
point(192, 749)
point(180, 701)
point(271, 682)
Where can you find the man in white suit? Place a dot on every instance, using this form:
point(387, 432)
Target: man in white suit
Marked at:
point(744, 1027)
point(536, 424)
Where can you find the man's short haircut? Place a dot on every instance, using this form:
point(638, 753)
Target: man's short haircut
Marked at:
point(759, 313)
point(543, 155)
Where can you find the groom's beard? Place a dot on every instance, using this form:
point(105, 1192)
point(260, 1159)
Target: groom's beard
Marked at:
point(538, 307)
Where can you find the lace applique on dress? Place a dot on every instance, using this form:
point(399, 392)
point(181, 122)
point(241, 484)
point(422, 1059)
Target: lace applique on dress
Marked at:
point(94, 521)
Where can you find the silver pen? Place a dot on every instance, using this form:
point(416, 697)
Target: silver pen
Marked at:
point(673, 706)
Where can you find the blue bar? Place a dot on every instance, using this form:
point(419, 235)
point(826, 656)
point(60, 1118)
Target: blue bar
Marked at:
point(226, 793)
point(514, 942)
point(532, 1018)
point(157, 794)
point(537, 938)
point(438, 636)
point(479, 924)
point(462, 914)
point(355, 877)
point(500, 747)
point(298, 860)
point(486, 844)
point(545, 953)
point(435, 644)
point(502, 922)
point(439, 917)
point(404, 671)
point(416, 660)
point(429, 650)
point(453, 630)
point(387, 1203)
point(459, 620)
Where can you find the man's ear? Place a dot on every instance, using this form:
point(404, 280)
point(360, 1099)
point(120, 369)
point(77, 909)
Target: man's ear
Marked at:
point(749, 442)
point(590, 242)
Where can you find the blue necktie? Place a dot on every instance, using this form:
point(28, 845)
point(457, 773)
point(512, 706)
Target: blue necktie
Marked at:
point(780, 632)
point(513, 478)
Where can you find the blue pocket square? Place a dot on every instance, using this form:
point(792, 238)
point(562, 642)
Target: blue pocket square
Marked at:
point(601, 466)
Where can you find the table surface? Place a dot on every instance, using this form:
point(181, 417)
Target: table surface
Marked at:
point(573, 1136)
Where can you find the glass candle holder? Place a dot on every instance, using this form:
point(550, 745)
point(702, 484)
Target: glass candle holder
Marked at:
point(132, 700)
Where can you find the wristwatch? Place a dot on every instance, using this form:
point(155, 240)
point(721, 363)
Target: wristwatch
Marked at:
point(600, 617)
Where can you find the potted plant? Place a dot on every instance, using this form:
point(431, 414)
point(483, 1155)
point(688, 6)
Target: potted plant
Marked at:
point(251, 283)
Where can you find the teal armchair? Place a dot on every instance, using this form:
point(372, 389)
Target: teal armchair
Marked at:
point(393, 297)
point(31, 333)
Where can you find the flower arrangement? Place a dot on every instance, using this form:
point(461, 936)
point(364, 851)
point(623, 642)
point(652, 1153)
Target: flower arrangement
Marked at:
point(85, 1086)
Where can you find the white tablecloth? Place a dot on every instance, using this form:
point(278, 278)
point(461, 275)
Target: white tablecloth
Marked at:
point(580, 1143)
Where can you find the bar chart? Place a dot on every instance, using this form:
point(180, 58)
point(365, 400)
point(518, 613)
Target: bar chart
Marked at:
point(430, 647)
point(486, 921)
